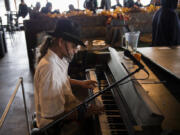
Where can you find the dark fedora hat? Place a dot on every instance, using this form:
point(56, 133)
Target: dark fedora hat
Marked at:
point(68, 30)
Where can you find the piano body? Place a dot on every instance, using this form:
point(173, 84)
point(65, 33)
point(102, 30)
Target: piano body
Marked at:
point(132, 107)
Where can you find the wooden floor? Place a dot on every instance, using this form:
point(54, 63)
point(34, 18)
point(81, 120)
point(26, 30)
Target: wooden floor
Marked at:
point(12, 66)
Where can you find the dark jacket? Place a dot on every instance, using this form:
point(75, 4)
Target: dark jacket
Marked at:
point(23, 10)
point(166, 25)
point(45, 10)
point(129, 3)
point(138, 4)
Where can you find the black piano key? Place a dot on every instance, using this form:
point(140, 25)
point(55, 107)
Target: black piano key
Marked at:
point(107, 102)
point(117, 126)
point(112, 113)
point(107, 97)
point(108, 92)
point(125, 132)
point(115, 120)
point(110, 107)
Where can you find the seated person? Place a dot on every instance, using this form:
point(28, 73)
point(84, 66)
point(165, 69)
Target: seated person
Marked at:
point(37, 7)
point(34, 13)
point(53, 94)
point(166, 25)
point(156, 2)
point(71, 7)
point(129, 3)
point(47, 9)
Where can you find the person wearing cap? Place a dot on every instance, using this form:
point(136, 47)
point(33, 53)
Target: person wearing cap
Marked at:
point(52, 85)
point(166, 25)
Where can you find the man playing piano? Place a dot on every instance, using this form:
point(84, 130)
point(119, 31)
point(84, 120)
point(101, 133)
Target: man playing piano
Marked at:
point(53, 94)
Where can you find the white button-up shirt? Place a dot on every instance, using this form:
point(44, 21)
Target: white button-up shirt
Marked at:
point(53, 94)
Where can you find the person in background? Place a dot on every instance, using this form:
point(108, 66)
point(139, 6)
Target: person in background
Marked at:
point(53, 93)
point(23, 9)
point(106, 4)
point(37, 7)
point(129, 3)
point(156, 2)
point(138, 4)
point(71, 7)
point(166, 25)
point(117, 5)
point(90, 5)
point(34, 13)
point(47, 9)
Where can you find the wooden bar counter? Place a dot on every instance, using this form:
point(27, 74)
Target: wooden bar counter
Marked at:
point(166, 57)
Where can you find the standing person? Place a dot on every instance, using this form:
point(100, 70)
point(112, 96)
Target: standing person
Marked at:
point(106, 4)
point(90, 5)
point(53, 94)
point(166, 25)
point(23, 9)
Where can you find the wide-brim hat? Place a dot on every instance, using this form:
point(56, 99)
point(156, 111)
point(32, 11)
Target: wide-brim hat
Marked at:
point(68, 30)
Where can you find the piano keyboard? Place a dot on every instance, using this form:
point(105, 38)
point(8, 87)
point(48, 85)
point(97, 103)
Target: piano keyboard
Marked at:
point(110, 121)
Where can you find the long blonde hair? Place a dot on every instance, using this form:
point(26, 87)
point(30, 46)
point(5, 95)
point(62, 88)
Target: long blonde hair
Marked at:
point(43, 48)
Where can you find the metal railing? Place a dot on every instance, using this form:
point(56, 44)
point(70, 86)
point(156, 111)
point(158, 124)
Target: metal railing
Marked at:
point(20, 83)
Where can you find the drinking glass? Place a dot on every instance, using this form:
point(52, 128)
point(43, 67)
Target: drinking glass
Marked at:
point(131, 41)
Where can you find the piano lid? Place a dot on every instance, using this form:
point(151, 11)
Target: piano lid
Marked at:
point(144, 111)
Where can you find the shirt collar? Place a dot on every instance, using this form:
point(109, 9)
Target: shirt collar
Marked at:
point(56, 58)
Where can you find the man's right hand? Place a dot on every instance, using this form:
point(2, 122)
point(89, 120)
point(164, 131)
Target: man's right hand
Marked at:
point(94, 110)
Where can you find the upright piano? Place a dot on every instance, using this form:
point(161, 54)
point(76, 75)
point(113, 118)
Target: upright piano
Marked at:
point(140, 105)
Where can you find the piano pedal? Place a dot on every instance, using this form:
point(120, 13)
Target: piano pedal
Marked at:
point(34, 123)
